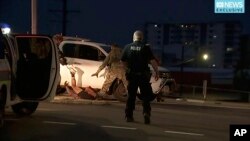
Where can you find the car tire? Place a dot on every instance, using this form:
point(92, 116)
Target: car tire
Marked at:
point(172, 87)
point(25, 108)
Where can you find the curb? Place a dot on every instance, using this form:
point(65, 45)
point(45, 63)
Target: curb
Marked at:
point(71, 100)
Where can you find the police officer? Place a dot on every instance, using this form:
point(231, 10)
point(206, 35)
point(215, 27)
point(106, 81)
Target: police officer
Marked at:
point(136, 56)
point(115, 70)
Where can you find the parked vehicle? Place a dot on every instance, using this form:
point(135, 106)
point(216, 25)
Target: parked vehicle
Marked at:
point(85, 57)
point(29, 72)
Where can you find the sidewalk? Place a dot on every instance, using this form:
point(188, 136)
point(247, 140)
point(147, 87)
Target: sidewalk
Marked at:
point(64, 98)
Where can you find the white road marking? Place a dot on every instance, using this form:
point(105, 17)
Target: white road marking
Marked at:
point(119, 127)
point(62, 123)
point(11, 119)
point(184, 133)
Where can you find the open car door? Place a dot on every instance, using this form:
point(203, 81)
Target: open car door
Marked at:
point(37, 71)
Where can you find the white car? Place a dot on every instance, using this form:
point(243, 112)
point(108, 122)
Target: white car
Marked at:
point(85, 57)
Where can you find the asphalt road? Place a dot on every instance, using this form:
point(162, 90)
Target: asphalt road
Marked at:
point(105, 122)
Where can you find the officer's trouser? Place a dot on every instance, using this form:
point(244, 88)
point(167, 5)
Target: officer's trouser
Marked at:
point(136, 81)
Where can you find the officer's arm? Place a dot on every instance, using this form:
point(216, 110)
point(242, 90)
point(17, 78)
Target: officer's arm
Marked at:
point(124, 58)
point(155, 67)
point(125, 64)
point(153, 61)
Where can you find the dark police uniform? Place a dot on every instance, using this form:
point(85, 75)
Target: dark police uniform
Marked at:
point(137, 55)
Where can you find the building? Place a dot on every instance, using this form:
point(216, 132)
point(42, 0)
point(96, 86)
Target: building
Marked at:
point(175, 43)
point(245, 52)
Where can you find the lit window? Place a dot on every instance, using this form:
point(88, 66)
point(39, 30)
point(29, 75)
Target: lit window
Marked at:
point(229, 49)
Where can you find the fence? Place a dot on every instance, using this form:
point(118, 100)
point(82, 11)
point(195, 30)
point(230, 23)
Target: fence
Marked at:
point(208, 93)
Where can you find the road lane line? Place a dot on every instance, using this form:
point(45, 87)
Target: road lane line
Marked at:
point(11, 119)
point(119, 127)
point(184, 133)
point(55, 122)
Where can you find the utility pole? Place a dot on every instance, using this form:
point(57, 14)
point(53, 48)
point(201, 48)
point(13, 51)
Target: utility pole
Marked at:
point(33, 16)
point(65, 12)
point(64, 17)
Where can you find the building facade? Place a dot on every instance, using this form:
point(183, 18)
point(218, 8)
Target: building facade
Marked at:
point(175, 43)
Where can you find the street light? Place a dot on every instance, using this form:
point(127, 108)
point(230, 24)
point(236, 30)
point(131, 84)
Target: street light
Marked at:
point(5, 28)
point(205, 56)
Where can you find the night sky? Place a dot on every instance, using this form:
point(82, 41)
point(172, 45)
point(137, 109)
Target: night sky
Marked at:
point(113, 20)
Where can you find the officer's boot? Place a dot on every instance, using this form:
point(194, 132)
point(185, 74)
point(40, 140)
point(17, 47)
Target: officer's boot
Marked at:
point(129, 116)
point(146, 118)
point(146, 112)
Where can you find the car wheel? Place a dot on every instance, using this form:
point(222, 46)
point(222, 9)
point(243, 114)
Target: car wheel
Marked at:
point(119, 92)
point(172, 88)
point(25, 108)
